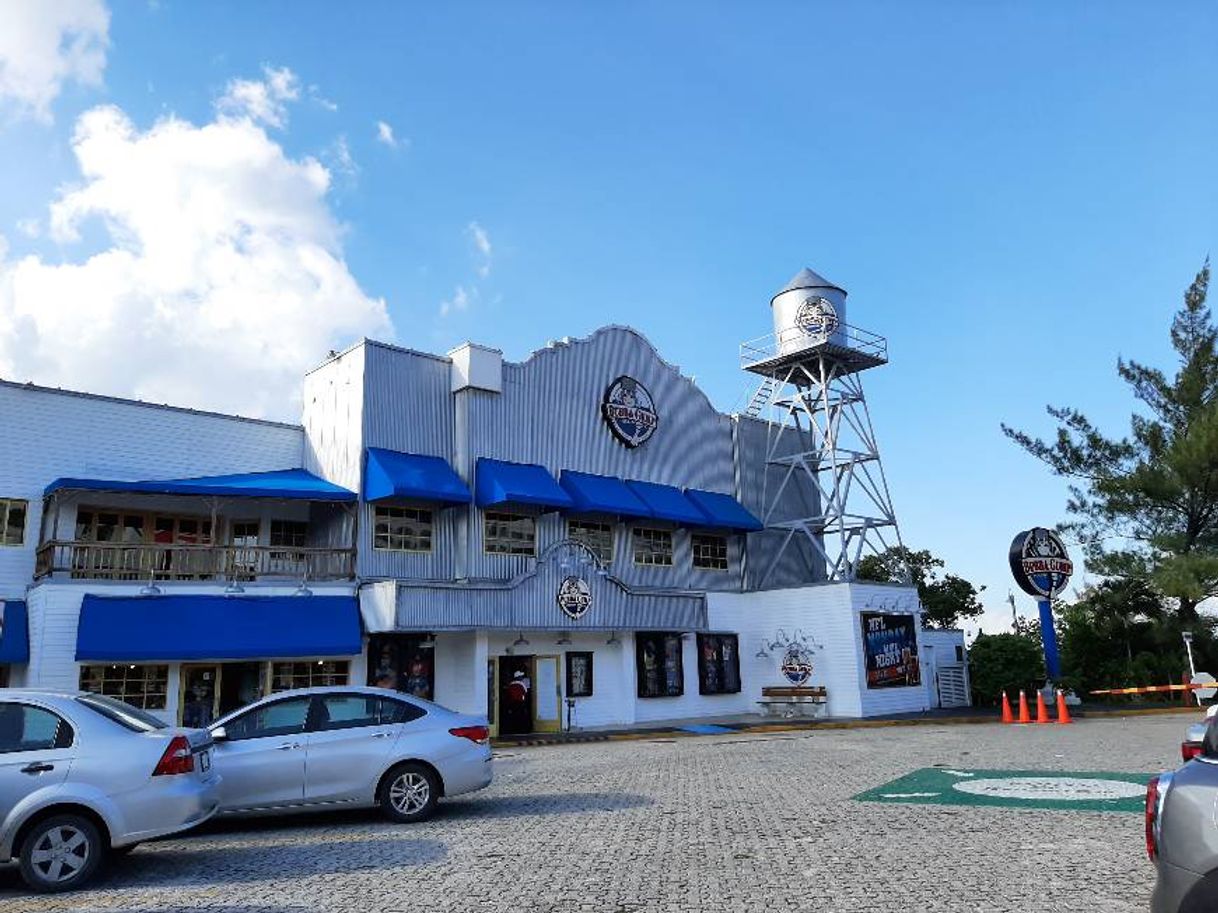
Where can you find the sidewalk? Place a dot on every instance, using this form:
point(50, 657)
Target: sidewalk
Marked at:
point(755, 723)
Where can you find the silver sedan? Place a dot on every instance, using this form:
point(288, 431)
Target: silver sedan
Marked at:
point(83, 775)
point(348, 747)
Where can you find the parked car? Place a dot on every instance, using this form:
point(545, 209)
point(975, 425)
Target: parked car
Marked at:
point(1182, 834)
point(1195, 735)
point(83, 775)
point(348, 747)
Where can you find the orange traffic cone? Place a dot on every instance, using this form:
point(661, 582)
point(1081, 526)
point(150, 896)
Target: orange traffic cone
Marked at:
point(1023, 708)
point(1063, 712)
point(1007, 716)
point(1042, 713)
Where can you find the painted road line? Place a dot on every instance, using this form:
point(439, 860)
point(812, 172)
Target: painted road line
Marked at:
point(1063, 790)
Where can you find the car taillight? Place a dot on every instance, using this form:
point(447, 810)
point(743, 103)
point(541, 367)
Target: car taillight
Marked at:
point(1152, 814)
point(479, 734)
point(1190, 750)
point(177, 758)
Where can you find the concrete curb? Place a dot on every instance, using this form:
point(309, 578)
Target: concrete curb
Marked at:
point(548, 740)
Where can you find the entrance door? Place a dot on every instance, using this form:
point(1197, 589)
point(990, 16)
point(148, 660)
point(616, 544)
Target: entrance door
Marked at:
point(240, 684)
point(547, 702)
point(492, 694)
point(200, 695)
point(515, 695)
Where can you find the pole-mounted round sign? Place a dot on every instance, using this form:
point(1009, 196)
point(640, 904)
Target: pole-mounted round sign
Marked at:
point(1040, 563)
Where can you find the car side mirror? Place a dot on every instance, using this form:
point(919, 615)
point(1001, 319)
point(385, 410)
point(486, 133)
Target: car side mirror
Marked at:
point(219, 734)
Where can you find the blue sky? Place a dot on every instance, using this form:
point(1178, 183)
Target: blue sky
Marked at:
point(1014, 193)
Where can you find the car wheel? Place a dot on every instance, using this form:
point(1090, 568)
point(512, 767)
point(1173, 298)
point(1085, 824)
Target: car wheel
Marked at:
point(410, 793)
point(60, 853)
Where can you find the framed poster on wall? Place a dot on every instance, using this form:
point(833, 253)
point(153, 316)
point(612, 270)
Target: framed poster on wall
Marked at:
point(890, 650)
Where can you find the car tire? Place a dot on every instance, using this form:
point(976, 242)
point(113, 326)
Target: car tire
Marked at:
point(60, 853)
point(410, 793)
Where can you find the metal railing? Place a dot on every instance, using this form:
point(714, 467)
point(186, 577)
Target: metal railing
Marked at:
point(789, 341)
point(153, 561)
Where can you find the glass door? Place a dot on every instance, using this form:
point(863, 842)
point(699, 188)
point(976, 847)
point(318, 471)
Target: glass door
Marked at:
point(547, 708)
point(200, 695)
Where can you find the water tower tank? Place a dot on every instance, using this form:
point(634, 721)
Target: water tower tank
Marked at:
point(809, 311)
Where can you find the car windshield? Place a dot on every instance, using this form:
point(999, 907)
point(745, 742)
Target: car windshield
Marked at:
point(124, 714)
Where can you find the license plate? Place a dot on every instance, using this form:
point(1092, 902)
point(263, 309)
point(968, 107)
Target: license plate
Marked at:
point(204, 761)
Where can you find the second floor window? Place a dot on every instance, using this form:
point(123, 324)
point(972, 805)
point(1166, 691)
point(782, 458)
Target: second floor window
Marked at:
point(597, 536)
point(289, 533)
point(710, 552)
point(509, 534)
point(12, 521)
point(402, 529)
point(652, 547)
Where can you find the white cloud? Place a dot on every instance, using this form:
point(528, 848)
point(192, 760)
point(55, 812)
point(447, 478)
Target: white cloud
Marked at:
point(482, 244)
point(384, 134)
point(45, 44)
point(221, 280)
point(261, 100)
point(459, 301)
point(340, 159)
point(321, 100)
point(31, 228)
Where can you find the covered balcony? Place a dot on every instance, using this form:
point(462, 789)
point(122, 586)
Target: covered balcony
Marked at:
point(284, 525)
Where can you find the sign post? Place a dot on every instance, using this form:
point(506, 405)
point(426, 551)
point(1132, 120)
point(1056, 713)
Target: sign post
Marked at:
point(1042, 568)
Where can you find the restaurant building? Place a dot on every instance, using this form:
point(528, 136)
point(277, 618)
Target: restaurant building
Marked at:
point(579, 539)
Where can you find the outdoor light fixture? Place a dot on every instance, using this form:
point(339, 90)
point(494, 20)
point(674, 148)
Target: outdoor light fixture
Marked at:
point(613, 641)
point(150, 589)
point(762, 653)
point(233, 588)
point(303, 590)
point(564, 640)
point(520, 641)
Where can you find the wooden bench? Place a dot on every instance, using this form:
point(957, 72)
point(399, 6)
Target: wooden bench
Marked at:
point(794, 701)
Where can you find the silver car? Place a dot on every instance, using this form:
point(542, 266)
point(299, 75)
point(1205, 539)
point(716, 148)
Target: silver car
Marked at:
point(1182, 834)
point(83, 775)
point(348, 747)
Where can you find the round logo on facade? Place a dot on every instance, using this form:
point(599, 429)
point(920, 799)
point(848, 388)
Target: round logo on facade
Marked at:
point(629, 411)
point(797, 664)
point(816, 317)
point(574, 596)
point(1040, 563)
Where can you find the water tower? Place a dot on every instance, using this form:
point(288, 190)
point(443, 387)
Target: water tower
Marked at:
point(819, 431)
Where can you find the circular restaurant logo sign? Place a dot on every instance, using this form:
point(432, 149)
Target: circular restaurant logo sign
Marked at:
point(629, 411)
point(574, 596)
point(1040, 563)
point(797, 664)
point(816, 317)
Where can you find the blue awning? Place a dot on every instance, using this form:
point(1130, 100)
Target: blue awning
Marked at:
point(593, 494)
point(294, 484)
point(179, 627)
point(723, 511)
point(14, 633)
point(500, 484)
point(668, 503)
point(390, 474)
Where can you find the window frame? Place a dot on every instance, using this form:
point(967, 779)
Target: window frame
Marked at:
point(7, 506)
point(606, 527)
point(640, 534)
point(314, 721)
point(720, 662)
point(313, 674)
point(570, 690)
point(712, 540)
point(505, 516)
point(304, 725)
point(641, 639)
point(148, 698)
point(65, 733)
point(429, 524)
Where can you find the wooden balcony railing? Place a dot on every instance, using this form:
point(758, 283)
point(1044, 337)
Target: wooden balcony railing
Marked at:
point(144, 561)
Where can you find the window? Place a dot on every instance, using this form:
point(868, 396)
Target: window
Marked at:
point(710, 552)
point(12, 521)
point(122, 713)
point(402, 529)
point(276, 719)
point(244, 535)
point(579, 675)
point(289, 533)
point(597, 536)
point(348, 711)
point(27, 728)
point(653, 547)
point(403, 662)
point(718, 664)
point(316, 674)
point(509, 534)
point(658, 656)
point(286, 535)
point(140, 686)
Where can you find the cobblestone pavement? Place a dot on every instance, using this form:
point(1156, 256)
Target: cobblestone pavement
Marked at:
point(738, 822)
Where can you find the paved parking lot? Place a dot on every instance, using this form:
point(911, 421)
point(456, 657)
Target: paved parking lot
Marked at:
point(762, 822)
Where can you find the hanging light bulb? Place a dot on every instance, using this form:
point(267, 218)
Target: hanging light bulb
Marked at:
point(520, 641)
point(233, 589)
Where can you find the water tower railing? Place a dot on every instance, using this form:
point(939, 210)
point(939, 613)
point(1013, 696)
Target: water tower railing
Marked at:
point(789, 341)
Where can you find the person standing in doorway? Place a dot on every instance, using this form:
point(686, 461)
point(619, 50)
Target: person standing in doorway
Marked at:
point(516, 707)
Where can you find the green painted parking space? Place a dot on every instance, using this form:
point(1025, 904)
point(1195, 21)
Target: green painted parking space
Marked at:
point(1089, 790)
